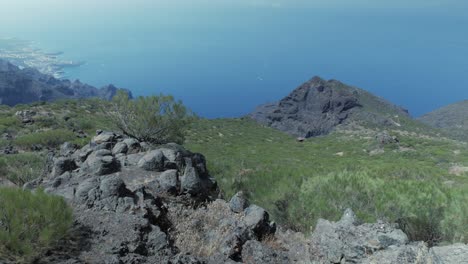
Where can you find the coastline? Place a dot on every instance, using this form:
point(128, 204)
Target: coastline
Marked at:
point(25, 54)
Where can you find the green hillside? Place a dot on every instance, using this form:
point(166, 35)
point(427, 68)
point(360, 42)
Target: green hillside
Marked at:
point(300, 182)
point(418, 180)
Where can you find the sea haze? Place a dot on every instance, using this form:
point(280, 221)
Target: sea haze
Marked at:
point(224, 62)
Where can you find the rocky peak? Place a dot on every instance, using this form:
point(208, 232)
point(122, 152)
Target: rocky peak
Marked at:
point(318, 106)
point(313, 109)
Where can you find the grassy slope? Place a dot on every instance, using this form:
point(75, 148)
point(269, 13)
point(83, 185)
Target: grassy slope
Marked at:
point(300, 182)
point(55, 126)
point(296, 182)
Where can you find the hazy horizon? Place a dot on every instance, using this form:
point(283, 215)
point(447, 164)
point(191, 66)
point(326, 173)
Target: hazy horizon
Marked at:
point(225, 57)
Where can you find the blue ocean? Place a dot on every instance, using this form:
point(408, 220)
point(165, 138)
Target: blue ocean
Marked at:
point(224, 62)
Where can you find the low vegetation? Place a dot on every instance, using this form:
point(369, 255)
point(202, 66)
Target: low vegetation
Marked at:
point(49, 138)
point(407, 182)
point(30, 223)
point(153, 119)
point(22, 168)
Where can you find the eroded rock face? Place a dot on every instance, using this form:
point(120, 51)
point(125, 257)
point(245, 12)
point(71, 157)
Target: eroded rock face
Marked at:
point(169, 211)
point(318, 106)
point(313, 109)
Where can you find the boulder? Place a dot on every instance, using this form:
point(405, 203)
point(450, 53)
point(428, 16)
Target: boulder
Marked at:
point(168, 181)
point(67, 149)
point(414, 253)
point(190, 181)
point(457, 253)
point(112, 186)
point(152, 161)
point(120, 148)
point(105, 137)
point(258, 220)
point(101, 162)
point(62, 165)
point(346, 241)
point(133, 145)
point(238, 202)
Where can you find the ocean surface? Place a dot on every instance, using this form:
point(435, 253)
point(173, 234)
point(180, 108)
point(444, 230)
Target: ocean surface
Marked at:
point(222, 63)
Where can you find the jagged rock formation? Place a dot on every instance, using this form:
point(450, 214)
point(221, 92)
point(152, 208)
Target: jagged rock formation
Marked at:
point(452, 119)
point(138, 204)
point(22, 86)
point(318, 106)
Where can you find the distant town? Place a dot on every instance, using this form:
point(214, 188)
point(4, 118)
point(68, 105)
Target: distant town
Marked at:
point(25, 55)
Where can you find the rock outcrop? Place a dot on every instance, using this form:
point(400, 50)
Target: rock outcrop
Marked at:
point(318, 106)
point(22, 86)
point(137, 204)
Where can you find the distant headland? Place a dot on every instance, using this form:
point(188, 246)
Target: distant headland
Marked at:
point(25, 55)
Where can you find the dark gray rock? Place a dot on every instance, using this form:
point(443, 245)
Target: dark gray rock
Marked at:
point(168, 181)
point(414, 253)
point(112, 186)
point(101, 162)
point(238, 202)
point(120, 148)
point(345, 241)
point(133, 145)
point(67, 149)
point(191, 181)
point(457, 253)
point(62, 165)
point(152, 161)
point(105, 137)
point(258, 220)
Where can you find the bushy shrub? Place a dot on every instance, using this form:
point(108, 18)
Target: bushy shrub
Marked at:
point(154, 119)
point(418, 205)
point(30, 223)
point(9, 124)
point(21, 168)
point(455, 222)
point(49, 138)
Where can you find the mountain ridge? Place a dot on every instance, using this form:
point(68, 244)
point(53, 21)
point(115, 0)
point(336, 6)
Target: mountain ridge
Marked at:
point(22, 86)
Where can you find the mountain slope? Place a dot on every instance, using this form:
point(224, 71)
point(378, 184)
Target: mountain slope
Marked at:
point(453, 119)
point(318, 106)
point(22, 86)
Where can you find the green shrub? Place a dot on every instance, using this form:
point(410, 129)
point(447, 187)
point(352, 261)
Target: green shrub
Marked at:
point(9, 124)
point(30, 223)
point(418, 206)
point(21, 168)
point(49, 138)
point(455, 222)
point(154, 119)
